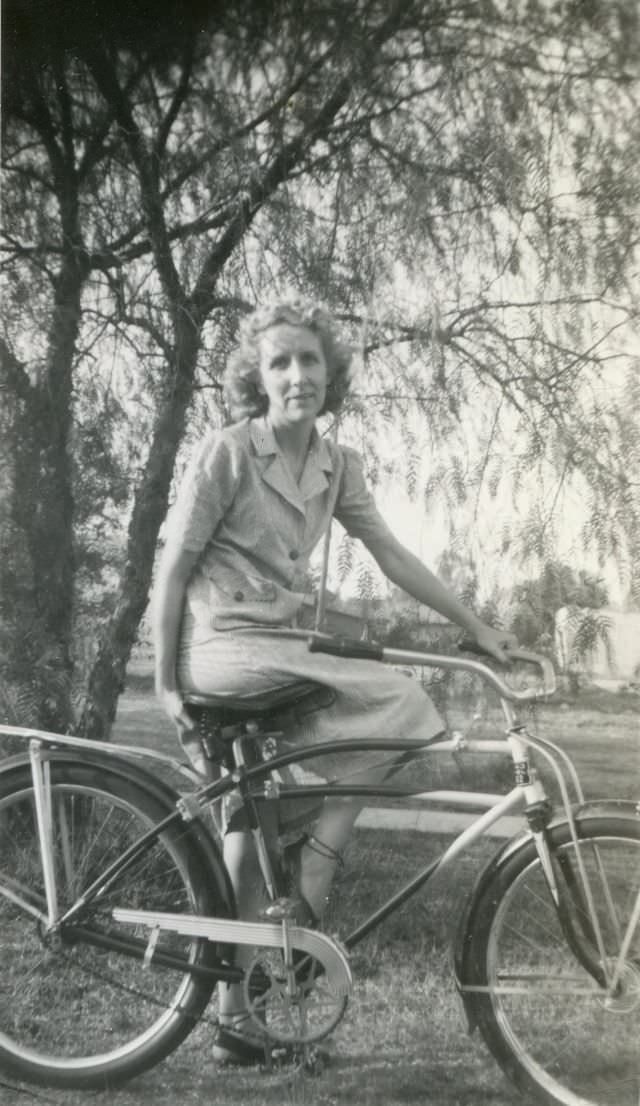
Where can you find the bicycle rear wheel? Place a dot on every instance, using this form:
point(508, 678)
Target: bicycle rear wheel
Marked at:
point(541, 1012)
point(73, 1014)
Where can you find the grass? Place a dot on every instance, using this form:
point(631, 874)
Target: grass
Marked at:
point(403, 1039)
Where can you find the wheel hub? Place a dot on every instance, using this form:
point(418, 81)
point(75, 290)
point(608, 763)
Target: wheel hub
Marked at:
point(50, 937)
point(627, 997)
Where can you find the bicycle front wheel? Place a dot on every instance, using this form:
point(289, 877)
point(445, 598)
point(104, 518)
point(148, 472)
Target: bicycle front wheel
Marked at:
point(542, 1012)
point(76, 1012)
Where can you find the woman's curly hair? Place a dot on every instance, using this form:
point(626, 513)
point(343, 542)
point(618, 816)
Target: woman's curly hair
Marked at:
point(242, 374)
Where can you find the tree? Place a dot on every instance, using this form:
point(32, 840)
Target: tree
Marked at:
point(134, 94)
point(537, 601)
point(165, 169)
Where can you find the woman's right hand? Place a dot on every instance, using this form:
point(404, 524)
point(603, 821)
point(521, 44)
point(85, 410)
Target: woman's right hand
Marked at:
point(172, 704)
point(176, 565)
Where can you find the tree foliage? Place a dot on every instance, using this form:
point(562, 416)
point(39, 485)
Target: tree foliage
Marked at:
point(536, 603)
point(457, 180)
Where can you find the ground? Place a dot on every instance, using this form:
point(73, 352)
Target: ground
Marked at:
point(403, 1039)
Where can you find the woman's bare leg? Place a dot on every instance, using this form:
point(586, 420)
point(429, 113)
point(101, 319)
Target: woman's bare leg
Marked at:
point(242, 864)
point(318, 862)
point(321, 855)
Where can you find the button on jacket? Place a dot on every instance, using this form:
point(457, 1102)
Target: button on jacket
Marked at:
point(240, 507)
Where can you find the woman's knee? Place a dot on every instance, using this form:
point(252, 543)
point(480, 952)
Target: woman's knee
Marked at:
point(411, 696)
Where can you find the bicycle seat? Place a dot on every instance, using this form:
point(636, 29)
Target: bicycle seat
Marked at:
point(241, 707)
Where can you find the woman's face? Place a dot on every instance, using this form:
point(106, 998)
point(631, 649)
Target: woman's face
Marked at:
point(293, 374)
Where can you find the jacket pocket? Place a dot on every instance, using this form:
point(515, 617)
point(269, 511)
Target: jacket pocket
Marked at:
point(238, 588)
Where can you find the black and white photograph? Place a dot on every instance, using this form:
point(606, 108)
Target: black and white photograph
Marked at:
point(320, 553)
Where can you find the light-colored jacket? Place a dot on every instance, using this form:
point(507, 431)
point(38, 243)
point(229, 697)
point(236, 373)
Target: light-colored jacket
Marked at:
point(240, 507)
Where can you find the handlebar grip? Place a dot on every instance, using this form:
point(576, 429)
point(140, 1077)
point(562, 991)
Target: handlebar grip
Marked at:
point(345, 647)
point(468, 645)
point(523, 655)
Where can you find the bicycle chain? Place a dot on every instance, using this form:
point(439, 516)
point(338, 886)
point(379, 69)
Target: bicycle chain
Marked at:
point(305, 1061)
point(134, 992)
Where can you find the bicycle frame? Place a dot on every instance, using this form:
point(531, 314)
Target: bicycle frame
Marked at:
point(527, 797)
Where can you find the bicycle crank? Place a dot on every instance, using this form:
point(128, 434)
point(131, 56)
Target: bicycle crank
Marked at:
point(292, 995)
point(298, 985)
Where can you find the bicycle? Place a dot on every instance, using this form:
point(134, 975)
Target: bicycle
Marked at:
point(112, 886)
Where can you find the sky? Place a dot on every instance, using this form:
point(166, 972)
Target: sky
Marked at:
point(426, 533)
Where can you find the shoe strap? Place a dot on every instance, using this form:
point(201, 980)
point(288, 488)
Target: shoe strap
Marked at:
point(324, 850)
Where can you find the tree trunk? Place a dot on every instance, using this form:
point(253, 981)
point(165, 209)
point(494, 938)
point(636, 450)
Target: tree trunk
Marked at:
point(19, 644)
point(39, 501)
point(106, 679)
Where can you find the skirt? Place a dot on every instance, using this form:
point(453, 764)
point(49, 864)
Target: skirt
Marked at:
point(368, 698)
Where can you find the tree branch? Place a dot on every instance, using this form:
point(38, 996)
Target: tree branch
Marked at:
point(115, 95)
point(283, 163)
point(252, 124)
point(177, 100)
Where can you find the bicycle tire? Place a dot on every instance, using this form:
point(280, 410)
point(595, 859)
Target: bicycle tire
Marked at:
point(78, 1016)
point(539, 1010)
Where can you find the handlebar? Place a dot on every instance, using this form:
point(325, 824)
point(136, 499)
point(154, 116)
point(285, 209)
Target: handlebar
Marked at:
point(346, 647)
point(370, 650)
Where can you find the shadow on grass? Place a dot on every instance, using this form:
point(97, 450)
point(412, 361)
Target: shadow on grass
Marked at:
point(400, 1077)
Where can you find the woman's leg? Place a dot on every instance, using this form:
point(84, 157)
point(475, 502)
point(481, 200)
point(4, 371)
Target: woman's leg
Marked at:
point(321, 854)
point(241, 861)
point(247, 880)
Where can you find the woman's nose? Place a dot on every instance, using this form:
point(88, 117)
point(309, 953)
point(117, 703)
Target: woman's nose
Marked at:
point(296, 368)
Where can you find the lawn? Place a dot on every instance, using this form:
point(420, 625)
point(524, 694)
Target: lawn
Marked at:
point(403, 1039)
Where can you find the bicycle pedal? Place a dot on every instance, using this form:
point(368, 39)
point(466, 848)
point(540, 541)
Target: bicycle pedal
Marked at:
point(282, 909)
point(315, 1061)
point(306, 1059)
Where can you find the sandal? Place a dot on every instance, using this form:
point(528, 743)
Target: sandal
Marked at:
point(231, 1048)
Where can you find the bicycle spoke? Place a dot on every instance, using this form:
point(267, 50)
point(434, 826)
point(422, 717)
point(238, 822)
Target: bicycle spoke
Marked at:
point(542, 1011)
point(76, 1010)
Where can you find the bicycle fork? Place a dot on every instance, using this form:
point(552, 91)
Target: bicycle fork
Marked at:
point(571, 888)
point(572, 891)
point(581, 924)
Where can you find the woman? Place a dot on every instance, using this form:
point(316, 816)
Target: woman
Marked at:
point(255, 501)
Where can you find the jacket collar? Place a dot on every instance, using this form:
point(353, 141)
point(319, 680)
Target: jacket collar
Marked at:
point(275, 470)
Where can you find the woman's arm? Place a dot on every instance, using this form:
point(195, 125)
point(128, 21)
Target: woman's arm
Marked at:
point(175, 568)
point(410, 574)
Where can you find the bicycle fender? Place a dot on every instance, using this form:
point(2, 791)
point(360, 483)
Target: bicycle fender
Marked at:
point(204, 843)
point(594, 808)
